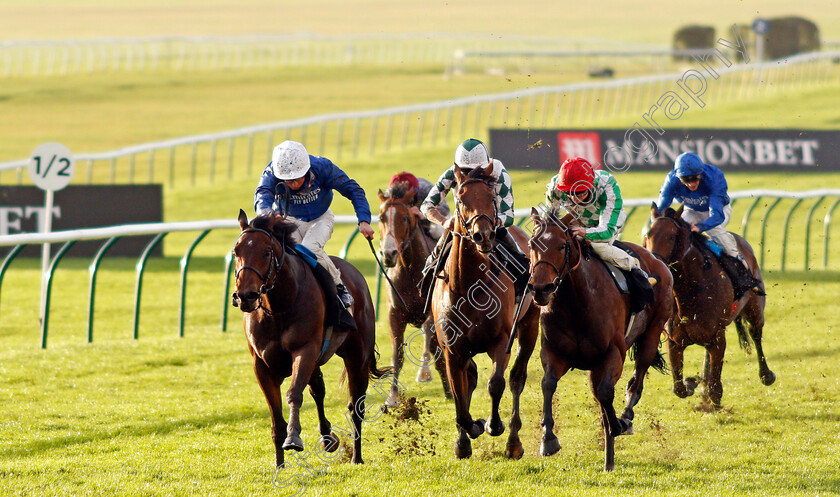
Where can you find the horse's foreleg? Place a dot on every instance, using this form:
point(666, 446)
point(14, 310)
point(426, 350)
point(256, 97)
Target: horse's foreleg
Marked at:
point(553, 369)
point(602, 380)
point(424, 373)
point(754, 313)
point(609, 443)
point(529, 330)
point(271, 388)
point(463, 376)
point(496, 388)
point(397, 326)
point(713, 382)
point(675, 359)
point(329, 441)
point(437, 355)
point(357, 381)
point(647, 348)
point(303, 364)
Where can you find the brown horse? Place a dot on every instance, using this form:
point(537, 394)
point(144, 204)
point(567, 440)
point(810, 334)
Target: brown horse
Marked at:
point(473, 310)
point(285, 311)
point(405, 246)
point(585, 321)
point(704, 297)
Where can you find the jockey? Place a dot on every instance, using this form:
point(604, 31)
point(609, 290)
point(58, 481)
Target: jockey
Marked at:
point(472, 154)
point(421, 188)
point(594, 199)
point(310, 181)
point(703, 190)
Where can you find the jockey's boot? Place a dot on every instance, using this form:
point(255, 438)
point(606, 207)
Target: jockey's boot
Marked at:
point(643, 282)
point(741, 277)
point(520, 268)
point(344, 295)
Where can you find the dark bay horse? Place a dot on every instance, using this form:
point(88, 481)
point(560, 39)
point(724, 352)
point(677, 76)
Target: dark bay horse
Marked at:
point(585, 322)
point(405, 246)
point(285, 311)
point(473, 310)
point(705, 304)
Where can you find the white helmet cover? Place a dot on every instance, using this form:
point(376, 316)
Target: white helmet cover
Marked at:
point(289, 161)
point(472, 154)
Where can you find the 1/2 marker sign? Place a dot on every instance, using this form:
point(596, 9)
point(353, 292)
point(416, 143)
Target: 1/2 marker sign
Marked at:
point(51, 166)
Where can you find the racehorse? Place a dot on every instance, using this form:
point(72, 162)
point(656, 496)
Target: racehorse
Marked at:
point(587, 324)
point(473, 311)
point(285, 311)
point(405, 246)
point(705, 303)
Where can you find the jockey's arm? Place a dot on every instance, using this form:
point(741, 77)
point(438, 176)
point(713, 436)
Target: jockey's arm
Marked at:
point(435, 197)
point(666, 194)
point(264, 194)
point(504, 199)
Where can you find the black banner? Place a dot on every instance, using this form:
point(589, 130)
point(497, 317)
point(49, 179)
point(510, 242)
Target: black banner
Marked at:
point(84, 206)
point(643, 149)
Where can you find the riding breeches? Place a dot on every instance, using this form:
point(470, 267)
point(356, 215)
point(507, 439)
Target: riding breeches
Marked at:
point(314, 236)
point(614, 255)
point(719, 233)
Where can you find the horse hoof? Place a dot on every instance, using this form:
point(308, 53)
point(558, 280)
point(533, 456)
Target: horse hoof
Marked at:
point(769, 378)
point(514, 452)
point(424, 375)
point(477, 428)
point(627, 426)
point(495, 428)
point(329, 443)
point(293, 443)
point(463, 448)
point(392, 400)
point(680, 391)
point(549, 447)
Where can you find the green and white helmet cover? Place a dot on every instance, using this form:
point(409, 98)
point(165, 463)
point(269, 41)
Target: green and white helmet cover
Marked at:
point(290, 160)
point(472, 154)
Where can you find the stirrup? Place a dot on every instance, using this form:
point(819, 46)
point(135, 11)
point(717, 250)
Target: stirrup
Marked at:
point(344, 296)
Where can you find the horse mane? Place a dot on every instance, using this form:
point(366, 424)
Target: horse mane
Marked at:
point(478, 173)
point(697, 239)
point(275, 224)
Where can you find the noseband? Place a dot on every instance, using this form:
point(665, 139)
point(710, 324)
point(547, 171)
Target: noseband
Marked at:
point(467, 224)
point(274, 265)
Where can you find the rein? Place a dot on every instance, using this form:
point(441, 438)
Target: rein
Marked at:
point(402, 246)
point(671, 254)
point(565, 267)
point(467, 224)
point(274, 265)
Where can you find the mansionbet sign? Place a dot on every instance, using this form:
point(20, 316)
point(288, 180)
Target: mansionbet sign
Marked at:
point(637, 149)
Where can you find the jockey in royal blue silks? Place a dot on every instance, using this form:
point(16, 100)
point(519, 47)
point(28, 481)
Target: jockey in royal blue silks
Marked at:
point(310, 181)
point(702, 189)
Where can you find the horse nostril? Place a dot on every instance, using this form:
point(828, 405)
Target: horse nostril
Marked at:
point(478, 237)
point(234, 299)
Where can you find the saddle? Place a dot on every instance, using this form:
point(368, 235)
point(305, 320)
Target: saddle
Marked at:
point(336, 315)
point(741, 278)
point(630, 283)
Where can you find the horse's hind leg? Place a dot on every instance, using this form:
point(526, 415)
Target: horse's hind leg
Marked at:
point(675, 358)
point(397, 327)
point(647, 352)
point(437, 354)
point(754, 313)
point(529, 330)
point(424, 373)
point(271, 388)
point(329, 441)
point(357, 381)
point(609, 443)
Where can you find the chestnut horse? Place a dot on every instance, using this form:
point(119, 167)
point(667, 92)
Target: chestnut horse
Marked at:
point(473, 310)
point(285, 311)
point(585, 321)
point(704, 297)
point(405, 246)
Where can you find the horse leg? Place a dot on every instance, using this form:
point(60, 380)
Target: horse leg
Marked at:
point(529, 330)
point(463, 377)
point(647, 348)
point(553, 369)
point(303, 363)
point(328, 440)
point(397, 327)
point(424, 373)
point(609, 443)
point(682, 388)
point(496, 388)
point(357, 382)
point(713, 381)
point(754, 313)
point(271, 388)
point(602, 380)
point(437, 354)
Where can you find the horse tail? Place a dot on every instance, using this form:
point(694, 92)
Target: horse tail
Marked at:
point(743, 335)
point(376, 372)
point(658, 363)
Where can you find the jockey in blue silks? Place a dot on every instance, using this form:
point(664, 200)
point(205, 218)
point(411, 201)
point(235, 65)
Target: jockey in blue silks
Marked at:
point(310, 181)
point(702, 189)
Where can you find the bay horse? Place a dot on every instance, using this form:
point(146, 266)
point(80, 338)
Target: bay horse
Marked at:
point(285, 309)
point(585, 321)
point(704, 304)
point(405, 246)
point(473, 311)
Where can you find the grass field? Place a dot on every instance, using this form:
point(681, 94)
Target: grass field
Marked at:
point(169, 416)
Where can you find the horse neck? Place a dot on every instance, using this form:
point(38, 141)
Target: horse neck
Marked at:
point(688, 276)
point(464, 265)
point(287, 285)
point(417, 250)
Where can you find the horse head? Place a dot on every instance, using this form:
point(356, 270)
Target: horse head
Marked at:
point(398, 224)
point(475, 207)
point(553, 248)
point(669, 236)
point(259, 254)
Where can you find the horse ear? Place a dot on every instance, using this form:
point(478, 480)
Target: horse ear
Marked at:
point(654, 211)
point(381, 196)
point(535, 212)
point(679, 211)
point(489, 169)
point(459, 175)
point(243, 219)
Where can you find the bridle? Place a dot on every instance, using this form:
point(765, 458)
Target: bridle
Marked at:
point(467, 224)
point(414, 228)
point(274, 265)
point(671, 255)
point(566, 264)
